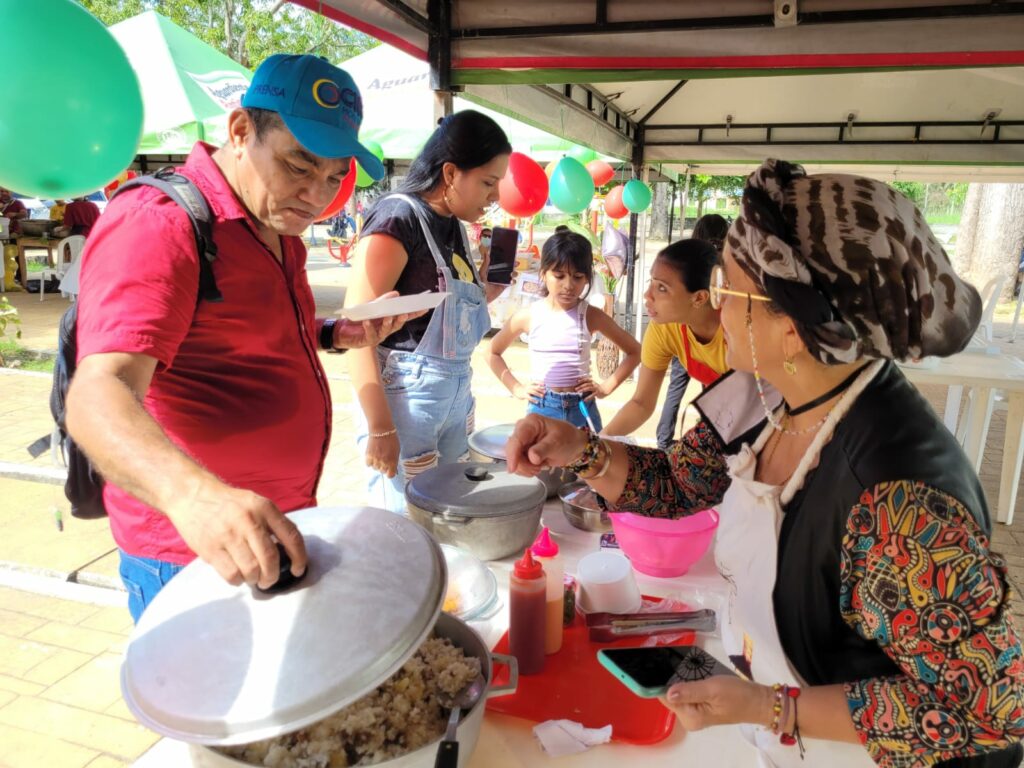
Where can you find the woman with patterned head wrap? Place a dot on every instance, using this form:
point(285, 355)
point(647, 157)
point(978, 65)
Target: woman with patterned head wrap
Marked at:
point(866, 611)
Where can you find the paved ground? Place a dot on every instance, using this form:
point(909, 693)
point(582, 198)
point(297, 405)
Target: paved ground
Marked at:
point(62, 620)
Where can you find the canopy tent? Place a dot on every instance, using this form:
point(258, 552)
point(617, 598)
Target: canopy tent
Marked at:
point(398, 107)
point(906, 88)
point(188, 87)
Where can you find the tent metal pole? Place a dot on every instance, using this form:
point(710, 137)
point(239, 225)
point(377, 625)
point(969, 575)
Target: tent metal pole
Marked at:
point(638, 163)
point(439, 55)
point(684, 200)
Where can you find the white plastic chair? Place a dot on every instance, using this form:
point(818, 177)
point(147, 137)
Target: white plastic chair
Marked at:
point(989, 299)
point(67, 272)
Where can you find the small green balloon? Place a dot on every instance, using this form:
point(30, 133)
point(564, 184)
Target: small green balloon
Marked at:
point(363, 179)
point(636, 196)
point(583, 154)
point(72, 114)
point(571, 187)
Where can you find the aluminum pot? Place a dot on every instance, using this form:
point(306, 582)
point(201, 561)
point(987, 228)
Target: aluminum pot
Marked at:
point(37, 227)
point(488, 444)
point(477, 506)
point(462, 635)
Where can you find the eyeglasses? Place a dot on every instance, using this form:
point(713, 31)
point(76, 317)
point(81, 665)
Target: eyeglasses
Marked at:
point(717, 289)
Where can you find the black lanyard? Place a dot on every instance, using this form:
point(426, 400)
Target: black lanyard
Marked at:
point(840, 387)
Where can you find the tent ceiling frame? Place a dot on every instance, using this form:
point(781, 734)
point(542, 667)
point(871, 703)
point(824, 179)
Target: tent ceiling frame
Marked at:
point(591, 102)
point(601, 25)
point(408, 14)
point(844, 131)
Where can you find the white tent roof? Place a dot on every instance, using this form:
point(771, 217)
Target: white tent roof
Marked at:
point(398, 107)
point(933, 86)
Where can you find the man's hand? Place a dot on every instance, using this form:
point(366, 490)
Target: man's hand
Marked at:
point(232, 530)
point(370, 333)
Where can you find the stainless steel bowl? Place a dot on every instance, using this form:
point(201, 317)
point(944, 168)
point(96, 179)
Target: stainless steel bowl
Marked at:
point(579, 503)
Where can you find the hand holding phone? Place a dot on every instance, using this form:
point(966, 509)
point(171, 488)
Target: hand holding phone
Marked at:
point(504, 242)
point(650, 672)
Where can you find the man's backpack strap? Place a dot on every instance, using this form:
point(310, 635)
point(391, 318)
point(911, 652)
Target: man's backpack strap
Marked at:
point(183, 191)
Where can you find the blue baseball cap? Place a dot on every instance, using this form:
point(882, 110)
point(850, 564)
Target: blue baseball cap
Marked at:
point(319, 103)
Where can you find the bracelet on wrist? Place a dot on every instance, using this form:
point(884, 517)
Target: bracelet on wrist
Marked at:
point(590, 455)
point(385, 433)
point(606, 463)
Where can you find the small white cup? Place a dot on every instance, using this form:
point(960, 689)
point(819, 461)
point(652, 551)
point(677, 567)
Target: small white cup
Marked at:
point(607, 584)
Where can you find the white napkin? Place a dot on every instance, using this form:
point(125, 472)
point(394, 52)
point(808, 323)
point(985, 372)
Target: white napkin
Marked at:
point(565, 737)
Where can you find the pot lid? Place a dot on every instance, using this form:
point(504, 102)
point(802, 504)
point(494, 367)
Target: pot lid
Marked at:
point(474, 489)
point(491, 440)
point(215, 664)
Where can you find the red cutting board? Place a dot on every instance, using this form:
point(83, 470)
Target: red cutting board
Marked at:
point(574, 686)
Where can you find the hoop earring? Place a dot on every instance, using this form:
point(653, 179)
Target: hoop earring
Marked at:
point(789, 366)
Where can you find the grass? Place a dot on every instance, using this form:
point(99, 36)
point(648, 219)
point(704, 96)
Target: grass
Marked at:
point(27, 359)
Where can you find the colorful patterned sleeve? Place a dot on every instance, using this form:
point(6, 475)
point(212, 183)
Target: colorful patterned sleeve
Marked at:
point(919, 579)
point(690, 476)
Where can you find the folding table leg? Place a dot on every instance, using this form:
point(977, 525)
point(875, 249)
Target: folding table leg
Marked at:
point(974, 446)
point(1013, 453)
point(952, 410)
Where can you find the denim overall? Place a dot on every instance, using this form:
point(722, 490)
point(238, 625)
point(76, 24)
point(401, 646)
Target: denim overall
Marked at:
point(428, 390)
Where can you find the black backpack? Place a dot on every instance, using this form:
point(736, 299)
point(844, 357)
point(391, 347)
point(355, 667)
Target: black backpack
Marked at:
point(84, 486)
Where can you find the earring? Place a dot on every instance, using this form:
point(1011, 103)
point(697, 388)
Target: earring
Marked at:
point(789, 366)
point(445, 196)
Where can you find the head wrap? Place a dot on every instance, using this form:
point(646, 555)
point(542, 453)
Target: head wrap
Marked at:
point(853, 263)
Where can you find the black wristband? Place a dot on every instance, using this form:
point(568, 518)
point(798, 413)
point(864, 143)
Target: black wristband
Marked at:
point(327, 333)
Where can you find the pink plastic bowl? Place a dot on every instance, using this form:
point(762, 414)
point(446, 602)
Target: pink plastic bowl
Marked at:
point(662, 547)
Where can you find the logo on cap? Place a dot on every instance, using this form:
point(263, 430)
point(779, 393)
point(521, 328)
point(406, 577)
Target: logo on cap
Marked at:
point(326, 93)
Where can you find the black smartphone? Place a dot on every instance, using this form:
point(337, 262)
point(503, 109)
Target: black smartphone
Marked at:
point(504, 242)
point(649, 672)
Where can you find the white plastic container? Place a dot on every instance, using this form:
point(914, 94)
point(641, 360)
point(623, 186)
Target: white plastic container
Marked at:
point(5, 228)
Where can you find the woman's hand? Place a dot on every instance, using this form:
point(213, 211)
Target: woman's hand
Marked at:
point(719, 700)
point(382, 454)
point(538, 442)
point(591, 389)
point(529, 391)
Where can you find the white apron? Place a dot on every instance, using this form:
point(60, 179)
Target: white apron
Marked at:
point(746, 552)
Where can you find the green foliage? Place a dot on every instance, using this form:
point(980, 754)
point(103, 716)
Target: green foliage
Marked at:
point(703, 187)
point(246, 30)
point(8, 316)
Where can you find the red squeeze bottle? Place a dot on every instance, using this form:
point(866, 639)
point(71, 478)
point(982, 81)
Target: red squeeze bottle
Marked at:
point(527, 605)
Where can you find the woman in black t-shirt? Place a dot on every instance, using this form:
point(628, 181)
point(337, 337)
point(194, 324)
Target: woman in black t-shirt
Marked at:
point(414, 401)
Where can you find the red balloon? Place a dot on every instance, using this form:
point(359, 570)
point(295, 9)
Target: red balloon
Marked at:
point(344, 193)
point(600, 172)
point(613, 205)
point(524, 189)
point(122, 177)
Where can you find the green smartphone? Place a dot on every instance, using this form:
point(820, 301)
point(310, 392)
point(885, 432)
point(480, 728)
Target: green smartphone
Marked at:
point(649, 672)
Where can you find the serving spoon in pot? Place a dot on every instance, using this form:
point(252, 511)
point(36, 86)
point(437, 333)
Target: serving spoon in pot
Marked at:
point(448, 750)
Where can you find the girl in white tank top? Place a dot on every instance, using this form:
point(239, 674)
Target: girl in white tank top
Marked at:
point(559, 327)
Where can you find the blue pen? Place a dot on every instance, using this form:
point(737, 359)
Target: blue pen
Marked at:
point(586, 415)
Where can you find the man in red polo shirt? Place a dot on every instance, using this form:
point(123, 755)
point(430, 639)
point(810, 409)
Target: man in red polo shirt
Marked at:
point(80, 214)
point(13, 209)
point(209, 420)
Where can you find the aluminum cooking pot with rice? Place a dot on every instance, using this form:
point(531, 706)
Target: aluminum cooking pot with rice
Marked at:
point(488, 444)
point(481, 507)
point(216, 665)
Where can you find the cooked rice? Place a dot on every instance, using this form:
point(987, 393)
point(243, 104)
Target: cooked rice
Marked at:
point(400, 716)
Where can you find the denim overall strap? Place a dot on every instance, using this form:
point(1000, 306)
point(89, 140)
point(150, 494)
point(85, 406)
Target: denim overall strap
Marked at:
point(458, 325)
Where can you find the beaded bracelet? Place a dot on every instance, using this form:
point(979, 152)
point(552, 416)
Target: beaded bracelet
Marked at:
point(779, 691)
point(590, 454)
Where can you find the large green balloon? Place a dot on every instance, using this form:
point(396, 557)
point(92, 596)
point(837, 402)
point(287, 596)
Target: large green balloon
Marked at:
point(363, 179)
point(571, 186)
point(71, 118)
point(636, 196)
point(583, 154)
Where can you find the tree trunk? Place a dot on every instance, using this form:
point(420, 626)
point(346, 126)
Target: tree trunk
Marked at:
point(607, 351)
point(991, 233)
point(660, 202)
